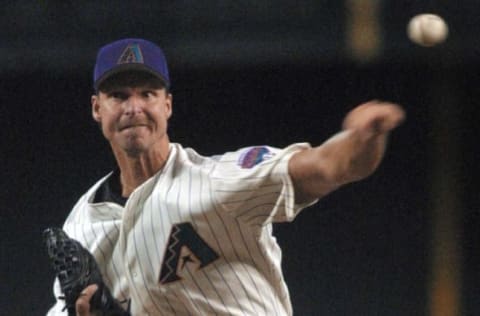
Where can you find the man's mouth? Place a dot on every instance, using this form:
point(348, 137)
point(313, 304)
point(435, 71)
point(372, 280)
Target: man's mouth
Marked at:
point(132, 126)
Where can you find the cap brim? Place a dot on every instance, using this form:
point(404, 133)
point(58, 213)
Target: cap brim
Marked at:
point(125, 68)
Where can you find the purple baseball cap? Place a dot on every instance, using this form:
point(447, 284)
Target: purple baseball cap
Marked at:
point(130, 54)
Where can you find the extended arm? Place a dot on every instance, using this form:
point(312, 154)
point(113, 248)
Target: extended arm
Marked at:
point(351, 155)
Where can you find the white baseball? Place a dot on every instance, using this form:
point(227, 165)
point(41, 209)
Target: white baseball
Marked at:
point(427, 29)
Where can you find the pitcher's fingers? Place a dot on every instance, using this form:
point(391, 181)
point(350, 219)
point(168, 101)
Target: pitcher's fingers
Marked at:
point(394, 115)
point(82, 305)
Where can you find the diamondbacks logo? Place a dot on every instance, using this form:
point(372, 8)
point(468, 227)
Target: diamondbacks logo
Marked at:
point(186, 250)
point(131, 54)
point(253, 156)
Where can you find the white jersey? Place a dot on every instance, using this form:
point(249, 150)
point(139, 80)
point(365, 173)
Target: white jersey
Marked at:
point(196, 238)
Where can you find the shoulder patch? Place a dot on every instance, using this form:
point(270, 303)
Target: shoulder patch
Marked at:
point(253, 156)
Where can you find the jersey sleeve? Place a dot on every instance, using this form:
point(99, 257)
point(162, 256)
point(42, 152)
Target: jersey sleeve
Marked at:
point(253, 184)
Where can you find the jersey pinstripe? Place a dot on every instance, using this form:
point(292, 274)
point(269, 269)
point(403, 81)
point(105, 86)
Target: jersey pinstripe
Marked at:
point(195, 239)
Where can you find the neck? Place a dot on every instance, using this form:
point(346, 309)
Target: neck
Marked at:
point(137, 168)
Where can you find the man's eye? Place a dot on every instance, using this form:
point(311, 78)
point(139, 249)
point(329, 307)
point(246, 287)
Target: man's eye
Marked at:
point(148, 94)
point(117, 95)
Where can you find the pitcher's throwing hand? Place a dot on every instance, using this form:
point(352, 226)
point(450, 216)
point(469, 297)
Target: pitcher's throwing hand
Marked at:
point(374, 117)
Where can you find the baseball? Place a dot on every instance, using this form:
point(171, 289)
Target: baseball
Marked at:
point(427, 30)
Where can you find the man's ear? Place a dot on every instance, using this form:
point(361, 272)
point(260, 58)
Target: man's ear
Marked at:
point(95, 108)
point(169, 105)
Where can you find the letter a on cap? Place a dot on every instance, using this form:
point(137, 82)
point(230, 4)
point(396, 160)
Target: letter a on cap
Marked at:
point(131, 54)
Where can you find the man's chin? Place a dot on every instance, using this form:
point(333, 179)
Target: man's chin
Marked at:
point(132, 148)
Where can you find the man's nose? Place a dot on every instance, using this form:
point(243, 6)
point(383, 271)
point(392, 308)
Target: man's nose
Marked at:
point(134, 105)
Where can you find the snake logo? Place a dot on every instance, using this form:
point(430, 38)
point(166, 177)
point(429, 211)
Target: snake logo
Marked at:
point(186, 251)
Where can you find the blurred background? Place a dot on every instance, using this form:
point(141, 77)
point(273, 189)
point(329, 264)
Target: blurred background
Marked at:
point(402, 242)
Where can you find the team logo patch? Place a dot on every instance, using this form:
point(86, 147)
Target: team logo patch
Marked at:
point(254, 156)
point(131, 54)
point(186, 252)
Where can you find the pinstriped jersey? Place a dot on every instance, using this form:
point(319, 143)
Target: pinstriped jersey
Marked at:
point(196, 238)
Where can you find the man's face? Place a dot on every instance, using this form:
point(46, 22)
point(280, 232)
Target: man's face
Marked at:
point(133, 118)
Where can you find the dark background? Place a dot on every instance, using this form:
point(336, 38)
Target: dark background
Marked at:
point(250, 73)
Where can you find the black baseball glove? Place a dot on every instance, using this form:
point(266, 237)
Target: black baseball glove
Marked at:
point(76, 268)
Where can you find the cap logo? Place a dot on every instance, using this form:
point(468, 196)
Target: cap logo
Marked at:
point(131, 54)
